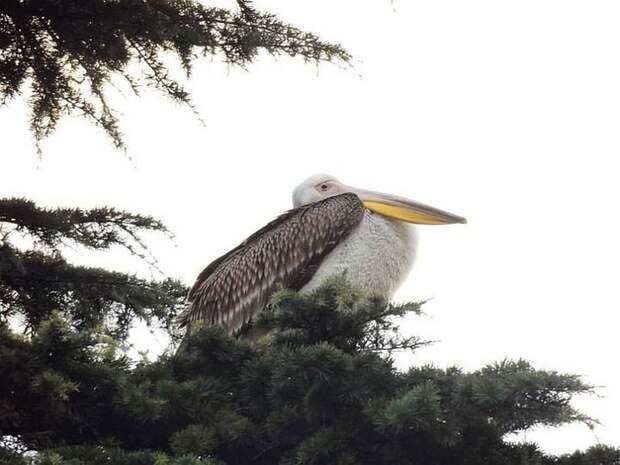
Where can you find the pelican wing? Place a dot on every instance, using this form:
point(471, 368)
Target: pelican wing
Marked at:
point(286, 251)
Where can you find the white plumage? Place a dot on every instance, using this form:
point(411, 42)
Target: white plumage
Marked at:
point(377, 256)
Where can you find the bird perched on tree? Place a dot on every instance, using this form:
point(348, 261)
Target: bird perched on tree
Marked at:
point(332, 229)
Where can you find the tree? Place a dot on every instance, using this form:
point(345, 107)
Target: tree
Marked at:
point(68, 52)
point(319, 388)
point(36, 280)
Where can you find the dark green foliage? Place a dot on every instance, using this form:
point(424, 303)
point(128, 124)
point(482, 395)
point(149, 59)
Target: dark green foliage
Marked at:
point(57, 384)
point(317, 387)
point(80, 455)
point(301, 395)
point(596, 455)
point(36, 280)
point(359, 324)
point(99, 228)
point(69, 51)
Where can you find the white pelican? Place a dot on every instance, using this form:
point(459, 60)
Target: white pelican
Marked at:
point(332, 228)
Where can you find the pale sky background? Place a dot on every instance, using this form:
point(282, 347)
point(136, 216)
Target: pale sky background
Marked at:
point(506, 112)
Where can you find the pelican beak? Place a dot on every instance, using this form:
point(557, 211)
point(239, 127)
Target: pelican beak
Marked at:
point(404, 209)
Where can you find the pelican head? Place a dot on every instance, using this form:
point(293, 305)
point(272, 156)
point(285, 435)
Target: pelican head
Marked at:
point(321, 186)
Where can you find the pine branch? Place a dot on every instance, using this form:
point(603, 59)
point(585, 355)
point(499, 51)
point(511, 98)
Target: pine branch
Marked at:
point(70, 51)
point(34, 284)
point(99, 228)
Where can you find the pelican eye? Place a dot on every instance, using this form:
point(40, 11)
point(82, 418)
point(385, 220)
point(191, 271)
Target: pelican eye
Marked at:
point(324, 187)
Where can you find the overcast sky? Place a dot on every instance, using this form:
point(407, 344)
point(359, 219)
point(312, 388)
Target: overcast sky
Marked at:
point(506, 112)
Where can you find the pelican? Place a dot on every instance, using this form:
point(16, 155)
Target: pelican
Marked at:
point(332, 228)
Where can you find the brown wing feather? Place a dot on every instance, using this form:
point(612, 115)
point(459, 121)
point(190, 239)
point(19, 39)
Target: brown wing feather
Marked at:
point(286, 251)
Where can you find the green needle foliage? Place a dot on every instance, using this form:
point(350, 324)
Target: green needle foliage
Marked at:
point(36, 280)
point(318, 386)
point(67, 52)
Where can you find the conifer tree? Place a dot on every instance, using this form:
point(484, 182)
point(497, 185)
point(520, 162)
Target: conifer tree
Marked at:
point(36, 280)
point(319, 388)
point(69, 52)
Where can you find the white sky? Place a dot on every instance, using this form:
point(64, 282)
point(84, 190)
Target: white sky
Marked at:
point(507, 112)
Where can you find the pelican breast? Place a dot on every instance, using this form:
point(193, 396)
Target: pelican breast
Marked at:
point(376, 257)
